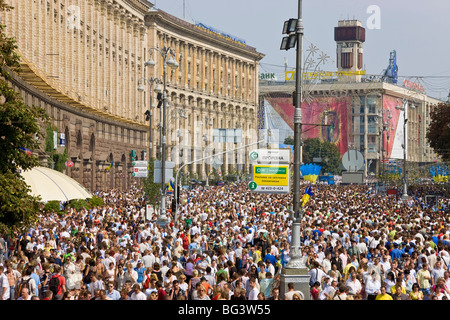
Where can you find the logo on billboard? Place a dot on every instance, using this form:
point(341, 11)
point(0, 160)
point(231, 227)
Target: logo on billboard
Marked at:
point(331, 133)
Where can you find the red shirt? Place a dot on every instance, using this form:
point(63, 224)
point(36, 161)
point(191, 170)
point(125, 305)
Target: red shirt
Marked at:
point(62, 282)
point(161, 294)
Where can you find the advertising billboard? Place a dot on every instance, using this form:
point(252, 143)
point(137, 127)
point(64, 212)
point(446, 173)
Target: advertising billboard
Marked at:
point(393, 120)
point(336, 111)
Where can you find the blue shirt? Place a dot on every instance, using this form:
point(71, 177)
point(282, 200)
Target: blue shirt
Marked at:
point(37, 281)
point(396, 253)
point(115, 295)
point(140, 272)
point(271, 258)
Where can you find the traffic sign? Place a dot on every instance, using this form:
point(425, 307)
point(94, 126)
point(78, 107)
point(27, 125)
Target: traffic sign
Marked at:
point(69, 164)
point(140, 172)
point(270, 179)
point(254, 155)
point(270, 156)
point(140, 163)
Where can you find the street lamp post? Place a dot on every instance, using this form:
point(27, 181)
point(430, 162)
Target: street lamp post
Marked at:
point(295, 270)
point(167, 55)
point(149, 113)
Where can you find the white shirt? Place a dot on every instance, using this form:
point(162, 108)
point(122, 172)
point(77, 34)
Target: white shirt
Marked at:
point(354, 286)
point(148, 260)
point(372, 286)
point(4, 285)
point(138, 296)
point(329, 290)
point(326, 265)
point(253, 294)
point(362, 247)
point(316, 274)
point(271, 269)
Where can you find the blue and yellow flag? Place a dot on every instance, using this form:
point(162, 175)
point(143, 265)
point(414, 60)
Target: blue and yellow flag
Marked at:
point(310, 172)
point(110, 166)
point(306, 196)
point(170, 187)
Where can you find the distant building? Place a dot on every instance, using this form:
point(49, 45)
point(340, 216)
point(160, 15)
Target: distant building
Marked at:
point(360, 110)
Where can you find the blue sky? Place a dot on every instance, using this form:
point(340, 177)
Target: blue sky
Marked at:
point(417, 30)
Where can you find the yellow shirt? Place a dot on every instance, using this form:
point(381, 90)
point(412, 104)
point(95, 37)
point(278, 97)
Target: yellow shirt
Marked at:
point(423, 283)
point(393, 290)
point(257, 257)
point(383, 297)
point(416, 296)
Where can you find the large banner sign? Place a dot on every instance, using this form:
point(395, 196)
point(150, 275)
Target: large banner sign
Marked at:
point(334, 111)
point(393, 139)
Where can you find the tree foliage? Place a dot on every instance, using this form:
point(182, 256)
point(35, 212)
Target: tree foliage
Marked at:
point(327, 151)
point(20, 129)
point(438, 131)
point(152, 190)
point(57, 160)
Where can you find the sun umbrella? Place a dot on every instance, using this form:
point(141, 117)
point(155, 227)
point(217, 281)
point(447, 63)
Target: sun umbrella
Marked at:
point(50, 185)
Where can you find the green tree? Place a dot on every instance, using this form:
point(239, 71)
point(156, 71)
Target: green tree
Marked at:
point(151, 189)
point(438, 131)
point(327, 151)
point(56, 160)
point(289, 140)
point(20, 129)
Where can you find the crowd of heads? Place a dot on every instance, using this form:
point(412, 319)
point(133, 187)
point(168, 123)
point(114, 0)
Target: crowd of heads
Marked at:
point(229, 243)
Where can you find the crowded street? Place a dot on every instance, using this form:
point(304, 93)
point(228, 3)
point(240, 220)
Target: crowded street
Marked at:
point(229, 243)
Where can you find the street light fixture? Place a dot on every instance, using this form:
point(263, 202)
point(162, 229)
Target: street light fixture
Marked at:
point(289, 28)
point(172, 63)
point(150, 62)
point(158, 88)
point(168, 56)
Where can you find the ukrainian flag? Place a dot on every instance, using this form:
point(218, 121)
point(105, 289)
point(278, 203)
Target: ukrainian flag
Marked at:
point(170, 186)
point(310, 172)
point(306, 196)
point(110, 166)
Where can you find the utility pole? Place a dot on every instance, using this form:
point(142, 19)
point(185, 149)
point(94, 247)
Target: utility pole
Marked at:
point(296, 256)
point(295, 271)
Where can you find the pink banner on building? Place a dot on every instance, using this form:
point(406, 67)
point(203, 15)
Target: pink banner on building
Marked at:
point(335, 110)
point(389, 104)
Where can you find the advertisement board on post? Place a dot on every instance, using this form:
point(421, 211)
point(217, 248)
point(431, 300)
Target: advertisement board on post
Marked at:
point(270, 170)
point(270, 178)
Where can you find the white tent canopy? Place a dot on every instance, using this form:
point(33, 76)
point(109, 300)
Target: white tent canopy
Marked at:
point(50, 185)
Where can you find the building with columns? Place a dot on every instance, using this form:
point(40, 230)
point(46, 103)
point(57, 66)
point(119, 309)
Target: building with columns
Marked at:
point(83, 60)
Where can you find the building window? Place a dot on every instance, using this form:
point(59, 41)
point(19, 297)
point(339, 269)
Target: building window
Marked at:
point(347, 60)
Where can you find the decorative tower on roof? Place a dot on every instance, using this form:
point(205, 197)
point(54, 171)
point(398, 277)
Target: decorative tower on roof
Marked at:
point(349, 36)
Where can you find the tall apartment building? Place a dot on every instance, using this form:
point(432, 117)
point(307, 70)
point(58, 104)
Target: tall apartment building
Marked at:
point(83, 61)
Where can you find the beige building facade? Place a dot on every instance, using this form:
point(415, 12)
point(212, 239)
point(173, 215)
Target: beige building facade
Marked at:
point(83, 60)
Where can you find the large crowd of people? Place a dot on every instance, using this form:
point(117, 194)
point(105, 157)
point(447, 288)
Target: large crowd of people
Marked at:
point(229, 243)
